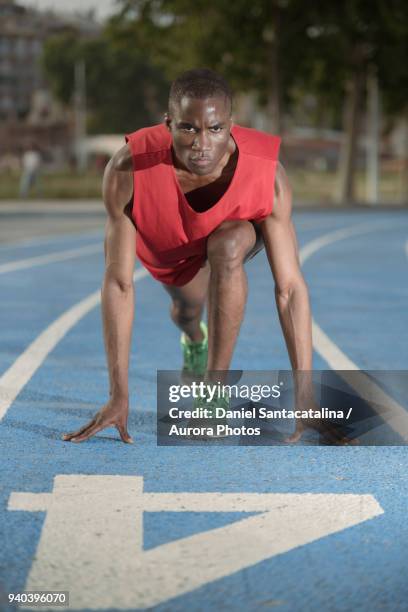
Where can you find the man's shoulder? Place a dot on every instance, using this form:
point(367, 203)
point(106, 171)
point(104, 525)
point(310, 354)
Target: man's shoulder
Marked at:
point(149, 146)
point(150, 139)
point(257, 143)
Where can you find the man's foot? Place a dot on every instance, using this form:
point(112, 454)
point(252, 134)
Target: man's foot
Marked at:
point(194, 356)
point(211, 425)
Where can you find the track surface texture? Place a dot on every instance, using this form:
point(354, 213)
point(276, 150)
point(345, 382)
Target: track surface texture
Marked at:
point(194, 528)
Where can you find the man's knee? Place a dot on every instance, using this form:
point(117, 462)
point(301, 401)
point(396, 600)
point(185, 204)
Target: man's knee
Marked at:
point(230, 242)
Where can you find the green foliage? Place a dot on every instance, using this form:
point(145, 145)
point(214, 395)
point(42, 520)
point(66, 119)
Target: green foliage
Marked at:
point(286, 47)
point(124, 91)
point(236, 38)
point(60, 54)
point(314, 46)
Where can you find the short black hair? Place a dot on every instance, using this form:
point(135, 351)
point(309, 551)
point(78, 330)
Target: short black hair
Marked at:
point(199, 83)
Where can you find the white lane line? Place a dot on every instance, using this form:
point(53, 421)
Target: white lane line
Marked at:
point(334, 356)
point(356, 230)
point(406, 248)
point(40, 260)
point(94, 528)
point(331, 353)
point(25, 366)
point(52, 206)
point(43, 239)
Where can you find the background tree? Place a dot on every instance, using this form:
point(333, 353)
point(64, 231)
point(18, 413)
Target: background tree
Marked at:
point(124, 91)
point(347, 42)
point(283, 50)
point(253, 44)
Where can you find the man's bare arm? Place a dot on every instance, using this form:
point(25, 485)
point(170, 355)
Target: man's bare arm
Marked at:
point(117, 288)
point(290, 288)
point(117, 296)
point(294, 310)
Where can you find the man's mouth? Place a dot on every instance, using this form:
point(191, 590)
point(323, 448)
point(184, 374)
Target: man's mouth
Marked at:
point(200, 161)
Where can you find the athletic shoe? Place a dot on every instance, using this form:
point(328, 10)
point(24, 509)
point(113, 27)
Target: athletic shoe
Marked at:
point(194, 356)
point(217, 402)
point(211, 421)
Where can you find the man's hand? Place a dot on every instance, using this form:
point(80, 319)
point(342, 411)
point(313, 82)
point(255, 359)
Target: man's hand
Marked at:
point(114, 413)
point(331, 434)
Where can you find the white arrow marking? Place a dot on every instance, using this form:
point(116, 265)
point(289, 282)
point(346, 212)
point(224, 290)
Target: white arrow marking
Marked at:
point(92, 539)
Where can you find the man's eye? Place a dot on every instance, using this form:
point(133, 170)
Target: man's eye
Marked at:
point(190, 130)
point(216, 128)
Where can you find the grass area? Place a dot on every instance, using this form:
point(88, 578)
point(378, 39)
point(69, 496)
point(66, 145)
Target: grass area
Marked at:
point(320, 187)
point(308, 185)
point(58, 185)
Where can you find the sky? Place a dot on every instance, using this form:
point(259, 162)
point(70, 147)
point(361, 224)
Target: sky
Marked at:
point(103, 8)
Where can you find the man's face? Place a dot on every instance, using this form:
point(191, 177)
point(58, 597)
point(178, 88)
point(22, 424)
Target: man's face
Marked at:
point(200, 130)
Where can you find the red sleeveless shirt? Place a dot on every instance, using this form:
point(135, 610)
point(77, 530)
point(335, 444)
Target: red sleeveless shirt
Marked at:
point(171, 236)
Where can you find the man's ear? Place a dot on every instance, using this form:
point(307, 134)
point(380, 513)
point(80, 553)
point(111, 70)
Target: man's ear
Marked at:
point(167, 121)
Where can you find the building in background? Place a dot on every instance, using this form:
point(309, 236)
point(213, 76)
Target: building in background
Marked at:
point(28, 112)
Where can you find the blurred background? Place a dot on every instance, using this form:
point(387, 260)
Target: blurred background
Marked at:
point(330, 78)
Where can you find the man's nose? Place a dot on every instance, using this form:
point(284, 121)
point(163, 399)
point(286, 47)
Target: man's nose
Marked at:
point(201, 142)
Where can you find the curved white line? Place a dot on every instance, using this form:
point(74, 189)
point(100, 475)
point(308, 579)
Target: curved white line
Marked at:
point(17, 376)
point(39, 260)
point(318, 243)
point(330, 352)
point(338, 360)
point(25, 366)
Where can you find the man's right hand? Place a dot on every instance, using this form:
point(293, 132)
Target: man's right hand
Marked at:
point(117, 295)
point(113, 414)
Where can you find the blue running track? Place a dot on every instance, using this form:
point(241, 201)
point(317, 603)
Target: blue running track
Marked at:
point(359, 294)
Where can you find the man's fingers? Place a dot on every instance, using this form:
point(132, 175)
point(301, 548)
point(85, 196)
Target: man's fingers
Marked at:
point(90, 432)
point(98, 423)
point(339, 438)
point(294, 437)
point(73, 434)
point(124, 434)
point(334, 435)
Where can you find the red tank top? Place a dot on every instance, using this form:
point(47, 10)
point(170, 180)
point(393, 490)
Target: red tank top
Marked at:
point(171, 236)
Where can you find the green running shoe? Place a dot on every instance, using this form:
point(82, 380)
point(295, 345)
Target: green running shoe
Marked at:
point(217, 402)
point(211, 426)
point(194, 356)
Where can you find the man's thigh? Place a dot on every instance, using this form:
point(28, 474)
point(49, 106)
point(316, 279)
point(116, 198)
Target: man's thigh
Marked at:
point(195, 291)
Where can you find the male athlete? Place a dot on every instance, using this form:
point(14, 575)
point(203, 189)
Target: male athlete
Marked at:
point(195, 198)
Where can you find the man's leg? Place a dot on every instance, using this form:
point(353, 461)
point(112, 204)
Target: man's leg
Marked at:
point(188, 304)
point(227, 249)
